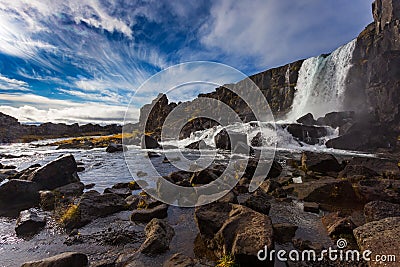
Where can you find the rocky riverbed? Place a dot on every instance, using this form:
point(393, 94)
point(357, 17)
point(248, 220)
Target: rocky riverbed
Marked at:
point(307, 201)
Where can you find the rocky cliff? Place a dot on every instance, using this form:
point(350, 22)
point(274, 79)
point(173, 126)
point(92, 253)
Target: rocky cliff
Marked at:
point(13, 131)
point(373, 87)
point(277, 85)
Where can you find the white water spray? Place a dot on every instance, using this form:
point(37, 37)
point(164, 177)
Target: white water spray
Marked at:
point(321, 83)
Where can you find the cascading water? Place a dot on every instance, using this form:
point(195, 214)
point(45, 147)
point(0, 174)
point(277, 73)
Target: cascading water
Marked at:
point(321, 83)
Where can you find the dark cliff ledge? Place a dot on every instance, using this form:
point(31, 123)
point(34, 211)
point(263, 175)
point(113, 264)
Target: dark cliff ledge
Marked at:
point(373, 87)
point(277, 85)
point(12, 131)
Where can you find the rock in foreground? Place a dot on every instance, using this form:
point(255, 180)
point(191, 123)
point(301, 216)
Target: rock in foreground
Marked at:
point(68, 259)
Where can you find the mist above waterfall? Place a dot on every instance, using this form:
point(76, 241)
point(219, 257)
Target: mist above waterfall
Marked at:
point(321, 83)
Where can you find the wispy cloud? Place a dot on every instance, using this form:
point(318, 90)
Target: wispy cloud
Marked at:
point(33, 108)
point(13, 84)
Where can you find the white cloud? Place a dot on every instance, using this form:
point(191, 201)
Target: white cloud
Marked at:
point(276, 31)
point(13, 84)
point(34, 108)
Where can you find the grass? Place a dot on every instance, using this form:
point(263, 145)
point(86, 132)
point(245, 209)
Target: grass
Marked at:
point(98, 141)
point(227, 261)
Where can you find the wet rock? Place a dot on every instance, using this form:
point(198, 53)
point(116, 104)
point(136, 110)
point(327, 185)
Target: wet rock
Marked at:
point(148, 142)
point(384, 167)
point(328, 192)
point(269, 186)
point(93, 205)
point(6, 173)
point(337, 225)
point(179, 260)
point(130, 185)
point(336, 119)
point(380, 237)
point(122, 192)
point(17, 195)
point(146, 215)
point(319, 162)
point(70, 190)
point(112, 148)
point(357, 171)
point(210, 218)
point(158, 236)
point(307, 134)
point(227, 140)
point(197, 145)
point(205, 176)
point(259, 202)
point(243, 148)
point(378, 189)
point(302, 244)
point(90, 186)
point(307, 119)
point(311, 207)
point(132, 201)
point(243, 234)
point(251, 166)
point(151, 154)
point(378, 210)
point(230, 197)
point(279, 193)
point(56, 173)
point(67, 259)
point(284, 232)
point(80, 169)
point(29, 222)
point(257, 140)
point(47, 200)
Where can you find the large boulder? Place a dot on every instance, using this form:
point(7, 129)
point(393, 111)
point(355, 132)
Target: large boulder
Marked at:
point(67, 259)
point(257, 140)
point(228, 140)
point(307, 134)
point(243, 235)
point(307, 119)
point(328, 192)
point(380, 237)
point(357, 171)
point(149, 142)
point(17, 195)
point(93, 205)
point(29, 222)
point(147, 214)
point(319, 162)
point(201, 144)
point(56, 173)
point(112, 148)
point(259, 202)
point(235, 230)
point(378, 210)
point(69, 190)
point(336, 119)
point(210, 218)
point(158, 236)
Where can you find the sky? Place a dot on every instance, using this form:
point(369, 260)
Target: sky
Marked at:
point(82, 60)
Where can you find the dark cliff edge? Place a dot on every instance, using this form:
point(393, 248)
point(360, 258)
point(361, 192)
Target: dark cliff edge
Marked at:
point(373, 85)
point(277, 85)
point(12, 131)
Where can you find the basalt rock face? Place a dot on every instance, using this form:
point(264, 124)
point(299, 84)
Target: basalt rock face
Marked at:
point(13, 131)
point(374, 80)
point(277, 85)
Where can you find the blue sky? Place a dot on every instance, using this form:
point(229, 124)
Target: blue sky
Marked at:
point(81, 60)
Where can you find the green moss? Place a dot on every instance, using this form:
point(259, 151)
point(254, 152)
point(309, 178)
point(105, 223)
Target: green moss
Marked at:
point(70, 215)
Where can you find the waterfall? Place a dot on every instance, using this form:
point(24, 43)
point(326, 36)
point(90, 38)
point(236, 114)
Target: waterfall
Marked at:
point(321, 83)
